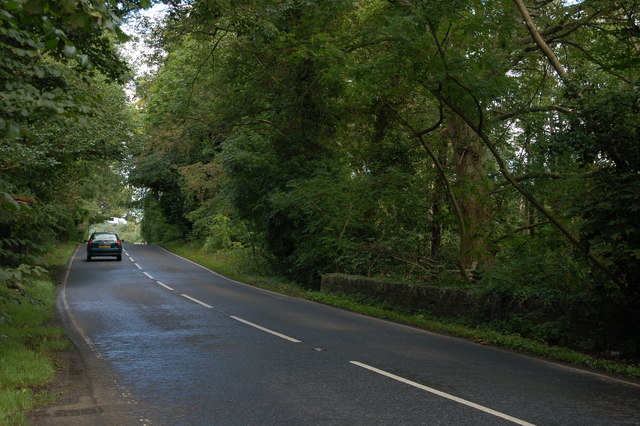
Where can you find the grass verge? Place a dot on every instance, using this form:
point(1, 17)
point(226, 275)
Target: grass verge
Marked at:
point(238, 265)
point(27, 342)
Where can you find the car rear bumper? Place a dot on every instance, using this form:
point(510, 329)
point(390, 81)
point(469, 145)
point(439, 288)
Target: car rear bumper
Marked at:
point(104, 252)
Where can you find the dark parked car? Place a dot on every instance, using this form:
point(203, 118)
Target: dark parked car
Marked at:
point(104, 244)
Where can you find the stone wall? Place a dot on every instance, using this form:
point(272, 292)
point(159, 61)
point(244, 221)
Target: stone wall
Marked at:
point(577, 320)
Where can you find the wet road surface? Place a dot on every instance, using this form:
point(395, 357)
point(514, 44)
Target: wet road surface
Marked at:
point(186, 346)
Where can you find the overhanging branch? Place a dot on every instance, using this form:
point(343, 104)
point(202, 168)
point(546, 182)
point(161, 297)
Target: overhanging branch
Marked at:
point(542, 45)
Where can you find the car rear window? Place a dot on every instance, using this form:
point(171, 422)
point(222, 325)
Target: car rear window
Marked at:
point(105, 237)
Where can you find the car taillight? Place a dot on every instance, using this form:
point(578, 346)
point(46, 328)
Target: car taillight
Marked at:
point(90, 242)
point(119, 243)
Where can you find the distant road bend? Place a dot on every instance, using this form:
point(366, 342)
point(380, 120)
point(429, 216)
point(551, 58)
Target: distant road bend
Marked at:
point(182, 345)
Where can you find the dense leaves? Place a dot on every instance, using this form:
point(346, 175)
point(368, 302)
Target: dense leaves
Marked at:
point(373, 137)
point(64, 128)
point(36, 36)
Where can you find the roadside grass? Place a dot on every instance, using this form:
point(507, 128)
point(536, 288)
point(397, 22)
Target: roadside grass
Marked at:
point(26, 345)
point(240, 266)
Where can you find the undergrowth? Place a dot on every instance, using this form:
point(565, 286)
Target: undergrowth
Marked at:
point(26, 344)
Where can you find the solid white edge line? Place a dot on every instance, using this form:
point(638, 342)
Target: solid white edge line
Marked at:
point(275, 333)
point(197, 301)
point(164, 285)
point(443, 394)
point(67, 308)
point(148, 276)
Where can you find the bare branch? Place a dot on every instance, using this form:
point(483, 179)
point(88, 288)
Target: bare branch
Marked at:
point(542, 45)
point(23, 199)
point(435, 126)
point(522, 228)
point(507, 115)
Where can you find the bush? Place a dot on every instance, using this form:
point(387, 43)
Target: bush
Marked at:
point(527, 262)
point(223, 234)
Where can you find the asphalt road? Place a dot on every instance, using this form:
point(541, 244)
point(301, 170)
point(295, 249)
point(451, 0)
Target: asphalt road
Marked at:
point(177, 344)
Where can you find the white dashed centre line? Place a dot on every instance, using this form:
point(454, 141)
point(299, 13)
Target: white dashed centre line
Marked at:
point(443, 394)
point(197, 301)
point(275, 333)
point(149, 276)
point(164, 285)
point(137, 266)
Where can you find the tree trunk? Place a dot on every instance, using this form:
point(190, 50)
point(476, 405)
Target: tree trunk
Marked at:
point(531, 216)
point(504, 169)
point(436, 230)
point(439, 198)
point(472, 194)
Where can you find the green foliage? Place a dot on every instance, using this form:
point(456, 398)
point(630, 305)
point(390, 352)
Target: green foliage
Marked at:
point(128, 231)
point(318, 218)
point(310, 133)
point(605, 127)
point(540, 262)
point(25, 345)
point(610, 210)
point(14, 283)
point(245, 264)
point(604, 133)
point(222, 234)
point(34, 35)
point(154, 227)
point(64, 125)
point(78, 181)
